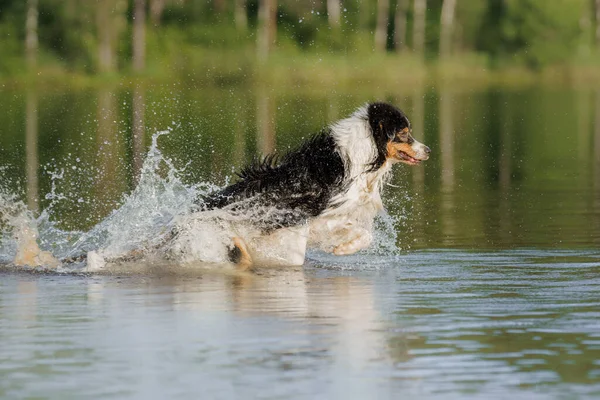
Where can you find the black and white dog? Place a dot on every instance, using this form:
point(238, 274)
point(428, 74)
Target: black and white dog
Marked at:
point(325, 194)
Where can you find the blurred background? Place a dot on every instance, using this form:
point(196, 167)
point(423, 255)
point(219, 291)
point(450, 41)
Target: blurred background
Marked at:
point(505, 92)
point(311, 41)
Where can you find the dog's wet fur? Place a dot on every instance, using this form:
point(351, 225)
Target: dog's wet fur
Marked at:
point(331, 175)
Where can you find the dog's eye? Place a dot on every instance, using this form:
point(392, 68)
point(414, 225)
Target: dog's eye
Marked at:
point(401, 136)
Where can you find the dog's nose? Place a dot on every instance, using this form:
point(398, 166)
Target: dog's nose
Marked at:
point(427, 150)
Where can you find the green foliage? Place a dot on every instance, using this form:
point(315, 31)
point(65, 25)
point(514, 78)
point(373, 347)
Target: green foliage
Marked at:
point(193, 35)
point(68, 32)
point(535, 32)
point(11, 50)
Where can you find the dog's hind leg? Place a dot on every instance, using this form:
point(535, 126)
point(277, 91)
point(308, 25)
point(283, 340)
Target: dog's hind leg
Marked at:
point(239, 254)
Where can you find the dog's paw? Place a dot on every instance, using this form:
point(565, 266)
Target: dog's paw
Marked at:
point(239, 255)
point(361, 242)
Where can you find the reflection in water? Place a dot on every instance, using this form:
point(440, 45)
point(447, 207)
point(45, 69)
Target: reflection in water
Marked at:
point(493, 150)
point(585, 105)
point(239, 141)
point(505, 160)
point(111, 181)
point(333, 110)
point(446, 140)
point(138, 129)
point(265, 122)
point(31, 150)
point(596, 151)
point(418, 123)
point(417, 118)
point(447, 156)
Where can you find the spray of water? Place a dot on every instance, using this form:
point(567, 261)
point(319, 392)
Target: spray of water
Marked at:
point(155, 220)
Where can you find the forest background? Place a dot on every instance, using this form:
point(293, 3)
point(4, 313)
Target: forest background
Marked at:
point(299, 42)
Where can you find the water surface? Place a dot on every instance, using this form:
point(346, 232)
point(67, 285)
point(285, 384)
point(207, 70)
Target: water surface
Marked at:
point(493, 290)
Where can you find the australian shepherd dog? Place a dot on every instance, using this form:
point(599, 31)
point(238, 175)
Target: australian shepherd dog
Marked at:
point(325, 194)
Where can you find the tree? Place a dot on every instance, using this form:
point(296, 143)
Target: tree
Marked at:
point(267, 27)
point(240, 15)
point(31, 149)
point(156, 10)
point(334, 13)
point(220, 6)
point(139, 35)
point(31, 34)
point(597, 3)
point(383, 9)
point(420, 7)
point(138, 129)
point(400, 24)
point(536, 32)
point(447, 27)
point(110, 20)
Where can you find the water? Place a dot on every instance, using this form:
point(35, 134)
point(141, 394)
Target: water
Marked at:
point(490, 289)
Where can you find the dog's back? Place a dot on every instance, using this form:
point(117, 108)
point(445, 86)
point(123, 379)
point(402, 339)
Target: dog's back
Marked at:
point(285, 192)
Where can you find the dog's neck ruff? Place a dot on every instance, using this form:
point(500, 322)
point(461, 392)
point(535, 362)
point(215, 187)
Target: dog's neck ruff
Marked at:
point(356, 145)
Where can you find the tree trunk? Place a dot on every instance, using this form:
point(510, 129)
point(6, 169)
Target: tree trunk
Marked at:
point(156, 10)
point(597, 2)
point(364, 14)
point(420, 8)
point(267, 31)
point(334, 13)
point(383, 8)
point(400, 25)
point(31, 34)
point(596, 151)
point(265, 122)
point(447, 27)
point(139, 35)
point(220, 6)
point(446, 143)
point(111, 181)
point(138, 128)
point(31, 149)
point(240, 15)
point(106, 62)
point(110, 22)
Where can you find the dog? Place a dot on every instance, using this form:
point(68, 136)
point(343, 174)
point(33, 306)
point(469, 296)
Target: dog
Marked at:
point(325, 194)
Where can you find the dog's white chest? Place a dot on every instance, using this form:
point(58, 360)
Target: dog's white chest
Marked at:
point(356, 208)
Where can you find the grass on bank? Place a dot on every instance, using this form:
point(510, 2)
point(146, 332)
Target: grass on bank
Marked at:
point(209, 57)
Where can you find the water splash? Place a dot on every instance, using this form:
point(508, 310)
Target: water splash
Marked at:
point(142, 221)
point(154, 220)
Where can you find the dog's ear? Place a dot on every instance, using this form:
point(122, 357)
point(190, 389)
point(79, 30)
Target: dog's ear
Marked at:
point(386, 129)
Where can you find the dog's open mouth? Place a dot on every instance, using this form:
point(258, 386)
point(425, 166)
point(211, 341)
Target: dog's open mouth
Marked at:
point(404, 157)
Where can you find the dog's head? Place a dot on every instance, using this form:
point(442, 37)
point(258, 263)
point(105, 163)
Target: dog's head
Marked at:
point(393, 136)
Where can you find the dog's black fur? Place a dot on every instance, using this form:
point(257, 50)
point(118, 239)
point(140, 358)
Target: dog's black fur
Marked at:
point(297, 185)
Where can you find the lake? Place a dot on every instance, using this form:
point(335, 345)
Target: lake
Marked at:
point(484, 281)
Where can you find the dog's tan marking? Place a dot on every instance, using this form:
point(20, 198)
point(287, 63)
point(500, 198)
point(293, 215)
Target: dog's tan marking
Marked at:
point(245, 262)
point(394, 148)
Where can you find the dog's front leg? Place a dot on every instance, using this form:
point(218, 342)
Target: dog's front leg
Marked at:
point(361, 239)
point(239, 255)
